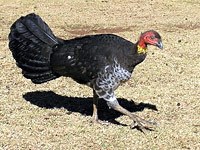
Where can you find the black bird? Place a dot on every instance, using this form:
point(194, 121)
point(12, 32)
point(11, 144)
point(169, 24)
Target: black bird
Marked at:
point(101, 61)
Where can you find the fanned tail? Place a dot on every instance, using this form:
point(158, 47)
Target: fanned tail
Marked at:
point(31, 42)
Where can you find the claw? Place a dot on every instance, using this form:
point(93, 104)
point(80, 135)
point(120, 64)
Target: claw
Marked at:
point(143, 125)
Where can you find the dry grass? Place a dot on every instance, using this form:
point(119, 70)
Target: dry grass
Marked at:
point(56, 115)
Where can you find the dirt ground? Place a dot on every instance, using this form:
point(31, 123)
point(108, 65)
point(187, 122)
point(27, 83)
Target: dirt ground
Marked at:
point(57, 114)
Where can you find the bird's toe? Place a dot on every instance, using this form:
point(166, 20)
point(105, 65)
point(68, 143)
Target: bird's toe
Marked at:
point(143, 125)
point(101, 122)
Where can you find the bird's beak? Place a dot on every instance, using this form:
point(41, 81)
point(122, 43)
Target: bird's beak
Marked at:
point(159, 44)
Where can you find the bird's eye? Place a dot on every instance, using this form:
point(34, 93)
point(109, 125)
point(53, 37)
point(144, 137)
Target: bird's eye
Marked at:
point(152, 37)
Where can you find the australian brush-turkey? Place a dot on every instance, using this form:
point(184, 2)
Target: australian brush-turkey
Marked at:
point(102, 61)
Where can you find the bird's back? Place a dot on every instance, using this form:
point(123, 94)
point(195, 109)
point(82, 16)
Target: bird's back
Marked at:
point(83, 58)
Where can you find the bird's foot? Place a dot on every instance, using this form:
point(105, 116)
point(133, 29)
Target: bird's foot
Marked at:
point(97, 121)
point(101, 122)
point(142, 124)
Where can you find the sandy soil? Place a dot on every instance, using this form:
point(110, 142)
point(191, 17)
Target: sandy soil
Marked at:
point(56, 115)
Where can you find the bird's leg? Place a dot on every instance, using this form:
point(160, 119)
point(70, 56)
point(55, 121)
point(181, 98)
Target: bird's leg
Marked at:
point(104, 88)
point(95, 104)
point(95, 118)
point(138, 122)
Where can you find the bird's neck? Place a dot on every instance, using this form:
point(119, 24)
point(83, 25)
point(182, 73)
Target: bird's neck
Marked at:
point(141, 47)
point(136, 56)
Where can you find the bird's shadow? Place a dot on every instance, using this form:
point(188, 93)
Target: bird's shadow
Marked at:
point(50, 100)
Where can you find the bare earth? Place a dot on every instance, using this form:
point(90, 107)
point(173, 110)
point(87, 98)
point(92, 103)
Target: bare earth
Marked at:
point(56, 115)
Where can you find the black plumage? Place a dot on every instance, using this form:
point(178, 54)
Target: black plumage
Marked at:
point(100, 61)
point(83, 58)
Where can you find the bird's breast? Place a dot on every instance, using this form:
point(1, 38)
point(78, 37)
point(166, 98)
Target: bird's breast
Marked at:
point(112, 76)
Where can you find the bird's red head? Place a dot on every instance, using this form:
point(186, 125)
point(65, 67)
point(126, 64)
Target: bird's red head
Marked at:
point(149, 38)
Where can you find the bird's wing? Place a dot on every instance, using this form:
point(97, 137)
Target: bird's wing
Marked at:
point(84, 58)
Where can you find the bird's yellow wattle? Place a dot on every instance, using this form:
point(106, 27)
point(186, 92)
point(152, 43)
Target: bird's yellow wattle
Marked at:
point(141, 50)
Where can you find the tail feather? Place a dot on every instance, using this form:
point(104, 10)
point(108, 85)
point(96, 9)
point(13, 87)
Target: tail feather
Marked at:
point(36, 75)
point(43, 79)
point(39, 29)
point(31, 42)
point(32, 69)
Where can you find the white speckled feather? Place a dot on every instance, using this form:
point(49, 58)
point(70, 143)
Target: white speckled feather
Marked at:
point(109, 79)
